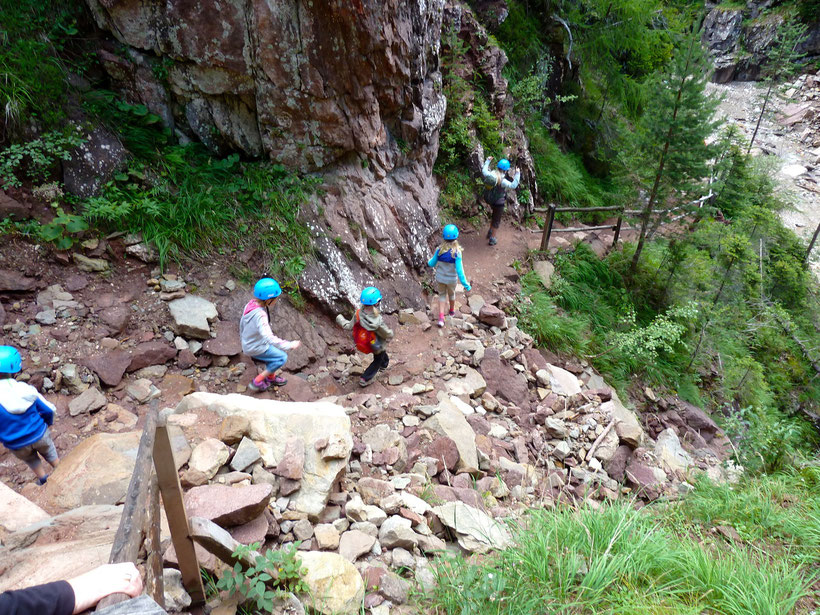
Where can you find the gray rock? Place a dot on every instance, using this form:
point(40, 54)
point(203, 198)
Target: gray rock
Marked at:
point(192, 316)
point(93, 162)
point(176, 598)
point(88, 401)
point(70, 379)
point(247, 453)
point(46, 317)
point(354, 543)
point(476, 531)
point(396, 532)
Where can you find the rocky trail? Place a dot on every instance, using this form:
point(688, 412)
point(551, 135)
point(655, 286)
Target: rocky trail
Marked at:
point(789, 134)
point(467, 427)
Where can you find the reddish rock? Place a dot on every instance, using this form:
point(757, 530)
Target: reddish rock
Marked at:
point(414, 518)
point(110, 367)
point(186, 359)
point(227, 506)
point(445, 450)
point(174, 387)
point(535, 360)
point(251, 532)
point(453, 494)
point(116, 317)
point(15, 282)
point(642, 479)
point(479, 424)
point(503, 381)
point(151, 353)
point(288, 486)
point(298, 389)
point(492, 316)
point(12, 208)
point(698, 420)
point(75, 282)
point(227, 342)
point(2, 315)
point(373, 490)
point(292, 463)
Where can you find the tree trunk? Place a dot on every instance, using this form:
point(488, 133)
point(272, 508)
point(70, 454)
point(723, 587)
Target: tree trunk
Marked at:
point(760, 117)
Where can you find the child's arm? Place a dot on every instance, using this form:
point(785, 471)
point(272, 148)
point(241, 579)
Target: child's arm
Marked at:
point(461, 277)
point(44, 409)
point(512, 185)
point(344, 322)
point(432, 262)
point(384, 332)
point(267, 332)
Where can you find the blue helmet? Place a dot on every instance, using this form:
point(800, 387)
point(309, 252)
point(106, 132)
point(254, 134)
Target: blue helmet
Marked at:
point(450, 232)
point(504, 164)
point(370, 296)
point(10, 361)
point(266, 288)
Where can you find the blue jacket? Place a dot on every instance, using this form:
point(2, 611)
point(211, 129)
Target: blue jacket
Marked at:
point(448, 267)
point(24, 414)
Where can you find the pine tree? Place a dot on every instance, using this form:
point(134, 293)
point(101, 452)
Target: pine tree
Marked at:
point(668, 158)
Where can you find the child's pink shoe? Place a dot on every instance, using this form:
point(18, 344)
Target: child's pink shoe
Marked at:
point(441, 320)
point(258, 387)
point(277, 381)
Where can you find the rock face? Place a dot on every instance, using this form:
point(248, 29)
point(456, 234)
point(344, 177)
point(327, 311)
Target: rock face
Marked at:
point(351, 90)
point(17, 512)
point(272, 424)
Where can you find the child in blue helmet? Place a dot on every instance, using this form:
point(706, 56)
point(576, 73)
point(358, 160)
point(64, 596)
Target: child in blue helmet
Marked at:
point(449, 270)
point(374, 333)
point(25, 416)
point(258, 340)
point(495, 194)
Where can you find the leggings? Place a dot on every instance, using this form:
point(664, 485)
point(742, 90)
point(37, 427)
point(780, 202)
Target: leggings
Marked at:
point(380, 361)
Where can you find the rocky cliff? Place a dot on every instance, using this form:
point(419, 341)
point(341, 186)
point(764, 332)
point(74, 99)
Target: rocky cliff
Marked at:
point(739, 39)
point(350, 89)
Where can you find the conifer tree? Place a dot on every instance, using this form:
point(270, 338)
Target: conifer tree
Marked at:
point(668, 157)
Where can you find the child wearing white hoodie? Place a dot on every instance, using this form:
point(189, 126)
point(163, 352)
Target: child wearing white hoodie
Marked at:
point(25, 416)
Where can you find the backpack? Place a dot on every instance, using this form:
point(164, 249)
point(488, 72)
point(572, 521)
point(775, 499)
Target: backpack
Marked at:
point(364, 339)
point(494, 195)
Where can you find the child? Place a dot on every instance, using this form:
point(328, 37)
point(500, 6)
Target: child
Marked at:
point(24, 417)
point(258, 341)
point(495, 194)
point(370, 333)
point(447, 261)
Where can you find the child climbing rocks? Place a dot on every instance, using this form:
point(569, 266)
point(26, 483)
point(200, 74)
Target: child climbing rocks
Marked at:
point(258, 341)
point(449, 270)
point(497, 184)
point(25, 416)
point(369, 332)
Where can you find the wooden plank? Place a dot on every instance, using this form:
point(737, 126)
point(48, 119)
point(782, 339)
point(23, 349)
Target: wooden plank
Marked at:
point(175, 511)
point(545, 238)
point(128, 540)
point(141, 605)
point(154, 585)
point(617, 231)
point(562, 210)
point(584, 228)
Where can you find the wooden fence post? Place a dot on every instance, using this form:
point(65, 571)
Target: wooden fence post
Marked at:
point(545, 237)
point(174, 505)
point(617, 231)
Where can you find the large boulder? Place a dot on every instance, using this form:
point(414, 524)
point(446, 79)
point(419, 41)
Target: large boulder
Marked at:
point(670, 453)
point(16, 511)
point(271, 424)
point(150, 353)
point(563, 382)
point(98, 470)
point(227, 342)
point(58, 547)
point(92, 163)
point(471, 384)
point(450, 422)
point(335, 586)
point(503, 381)
point(110, 367)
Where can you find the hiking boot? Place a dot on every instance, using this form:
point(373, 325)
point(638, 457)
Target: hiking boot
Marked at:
point(493, 241)
point(43, 481)
point(441, 320)
point(277, 381)
point(258, 388)
point(367, 382)
point(452, 312)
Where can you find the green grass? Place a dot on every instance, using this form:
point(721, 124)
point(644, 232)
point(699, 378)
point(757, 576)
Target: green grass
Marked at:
point(660, 559)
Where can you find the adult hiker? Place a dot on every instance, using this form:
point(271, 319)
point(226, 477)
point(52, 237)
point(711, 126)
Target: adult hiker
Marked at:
point(258, 340)
point(449, 270)
point(25, 416)
point(497, 183)
point(369, 332)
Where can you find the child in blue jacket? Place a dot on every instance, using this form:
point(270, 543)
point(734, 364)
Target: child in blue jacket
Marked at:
point(449, 270)
point(24, 417)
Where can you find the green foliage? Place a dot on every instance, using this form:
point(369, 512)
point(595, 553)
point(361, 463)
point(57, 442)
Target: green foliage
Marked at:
point(275, 568)
point(621, 560)
point(662, 334)
point(61, 228)
point(37, 158)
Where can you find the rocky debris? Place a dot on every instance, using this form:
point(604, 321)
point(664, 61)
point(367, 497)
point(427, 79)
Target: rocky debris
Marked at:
point(335, 586)
point(627, 425)
point(192, 316)
point(142, 391)
point(69, 378)
point(544, 271)
point(143, 252)
point(476, 531)
point(247, 454)
point(355, 543)
point(116, 318)
point(272, 424)
point(292, 464)
point(91, 265)
point(176, 598)
point(491, 316)
point(110, 367)
point(208, 456)
point(450, 422)
point(561, 381)
point(227, 506)
point(88, 401)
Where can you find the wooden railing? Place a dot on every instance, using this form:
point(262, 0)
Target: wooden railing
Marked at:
point(155, 475)
point(554, 209)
